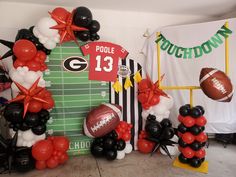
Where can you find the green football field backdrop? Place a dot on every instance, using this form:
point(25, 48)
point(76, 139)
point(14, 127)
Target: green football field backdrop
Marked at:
point(74, 97)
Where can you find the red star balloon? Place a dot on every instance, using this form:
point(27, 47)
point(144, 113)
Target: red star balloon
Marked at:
point(27, 95)
point(66, 27)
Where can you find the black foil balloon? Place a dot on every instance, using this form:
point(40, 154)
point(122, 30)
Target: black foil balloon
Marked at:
point(24, 161)
point(94, 26)
point(120, 144)
point(195, 162)
point(167, 133)
point(195, 146)
point(184, 110)
point(183, 159)
point(13, 113)
point(96, 150)
point(82, 17)
point(182, 143)
point(195, 112)
point(39, 130)
point(166, 123)
point(201, 108)
point(111, 154)
point(28, 34)
point(109, 143)
point(32, 119)
point(153, 128)
point(182, 128)
point(83, 35)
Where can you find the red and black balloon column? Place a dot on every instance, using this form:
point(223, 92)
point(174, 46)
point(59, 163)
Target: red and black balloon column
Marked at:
point(192, 138)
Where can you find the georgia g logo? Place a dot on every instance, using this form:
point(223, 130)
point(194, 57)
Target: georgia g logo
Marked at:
point(75, 64)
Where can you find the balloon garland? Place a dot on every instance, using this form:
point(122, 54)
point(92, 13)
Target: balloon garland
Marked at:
point(28, 112)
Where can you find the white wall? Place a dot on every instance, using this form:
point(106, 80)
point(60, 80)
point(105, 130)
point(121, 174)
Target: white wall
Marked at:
point(121, 27)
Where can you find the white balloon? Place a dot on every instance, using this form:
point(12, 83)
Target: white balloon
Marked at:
point(44, 25)
point(19, 142)
point(128, 148)
point(120, 155)
point(28, 135)
point(31, 77)
point(50, 44)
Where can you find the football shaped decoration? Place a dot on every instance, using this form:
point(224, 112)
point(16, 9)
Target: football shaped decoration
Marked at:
point(102, 120)
point(216, 84)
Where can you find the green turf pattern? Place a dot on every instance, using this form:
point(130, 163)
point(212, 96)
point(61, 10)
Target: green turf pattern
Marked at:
point(74, 97)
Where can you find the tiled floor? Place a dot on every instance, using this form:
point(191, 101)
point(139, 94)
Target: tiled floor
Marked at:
point(222, 163)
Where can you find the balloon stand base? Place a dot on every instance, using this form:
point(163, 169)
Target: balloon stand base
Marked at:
point(202, 169)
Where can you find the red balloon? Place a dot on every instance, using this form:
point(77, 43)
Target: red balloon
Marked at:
point(201, 121)
point(33, 65)
point(142, 98)
point(52, 163)
point(180, 118)
point(188, 138)
point(64, 157)
point(155, 100)
point(126, 136)
point(61, 143)
point(42, 150)
point(35, 106)
point(145, 146)
point(188, 152)
point(200, 153)
point(24, 50)
point(49, 104)
point(188, 121)
point(19, 63)
point(202, 137)
point(61, 13)
point(40, 165)
point(40, 57)
point(123, 125)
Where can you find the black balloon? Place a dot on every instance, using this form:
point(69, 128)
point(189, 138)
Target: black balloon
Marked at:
point(24, 161)
point(153, 128)
point(28, 34)
point(201, 108)
point(109, 143)
point(195, 112)
point(182, 128)
point(195, 130)
point(184, 110)
point(83, 35)
point(166, 123)
point(120, 144)
point(94, 26)
point(111, 154)
point(202, 128)
point(32, 119)
point(151, 117)
point(96, 150)
point(195, 162)
point(82, 17)
point(195, 146)
point(99, 141)
point(182, 143)
point(44, 114)
point(24, 127)
point(94, 36)
point(112, 135)
point(39, 130)
point(183, 159)
point(167, 133)
point(14, 113)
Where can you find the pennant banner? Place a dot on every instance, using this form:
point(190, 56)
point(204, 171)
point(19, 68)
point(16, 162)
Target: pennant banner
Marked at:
point(197, 51)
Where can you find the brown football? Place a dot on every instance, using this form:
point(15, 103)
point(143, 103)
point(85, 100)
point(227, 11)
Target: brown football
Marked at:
point(102, 120)
point(216, 84)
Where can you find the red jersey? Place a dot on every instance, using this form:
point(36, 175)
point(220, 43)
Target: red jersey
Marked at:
point(104, 57)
